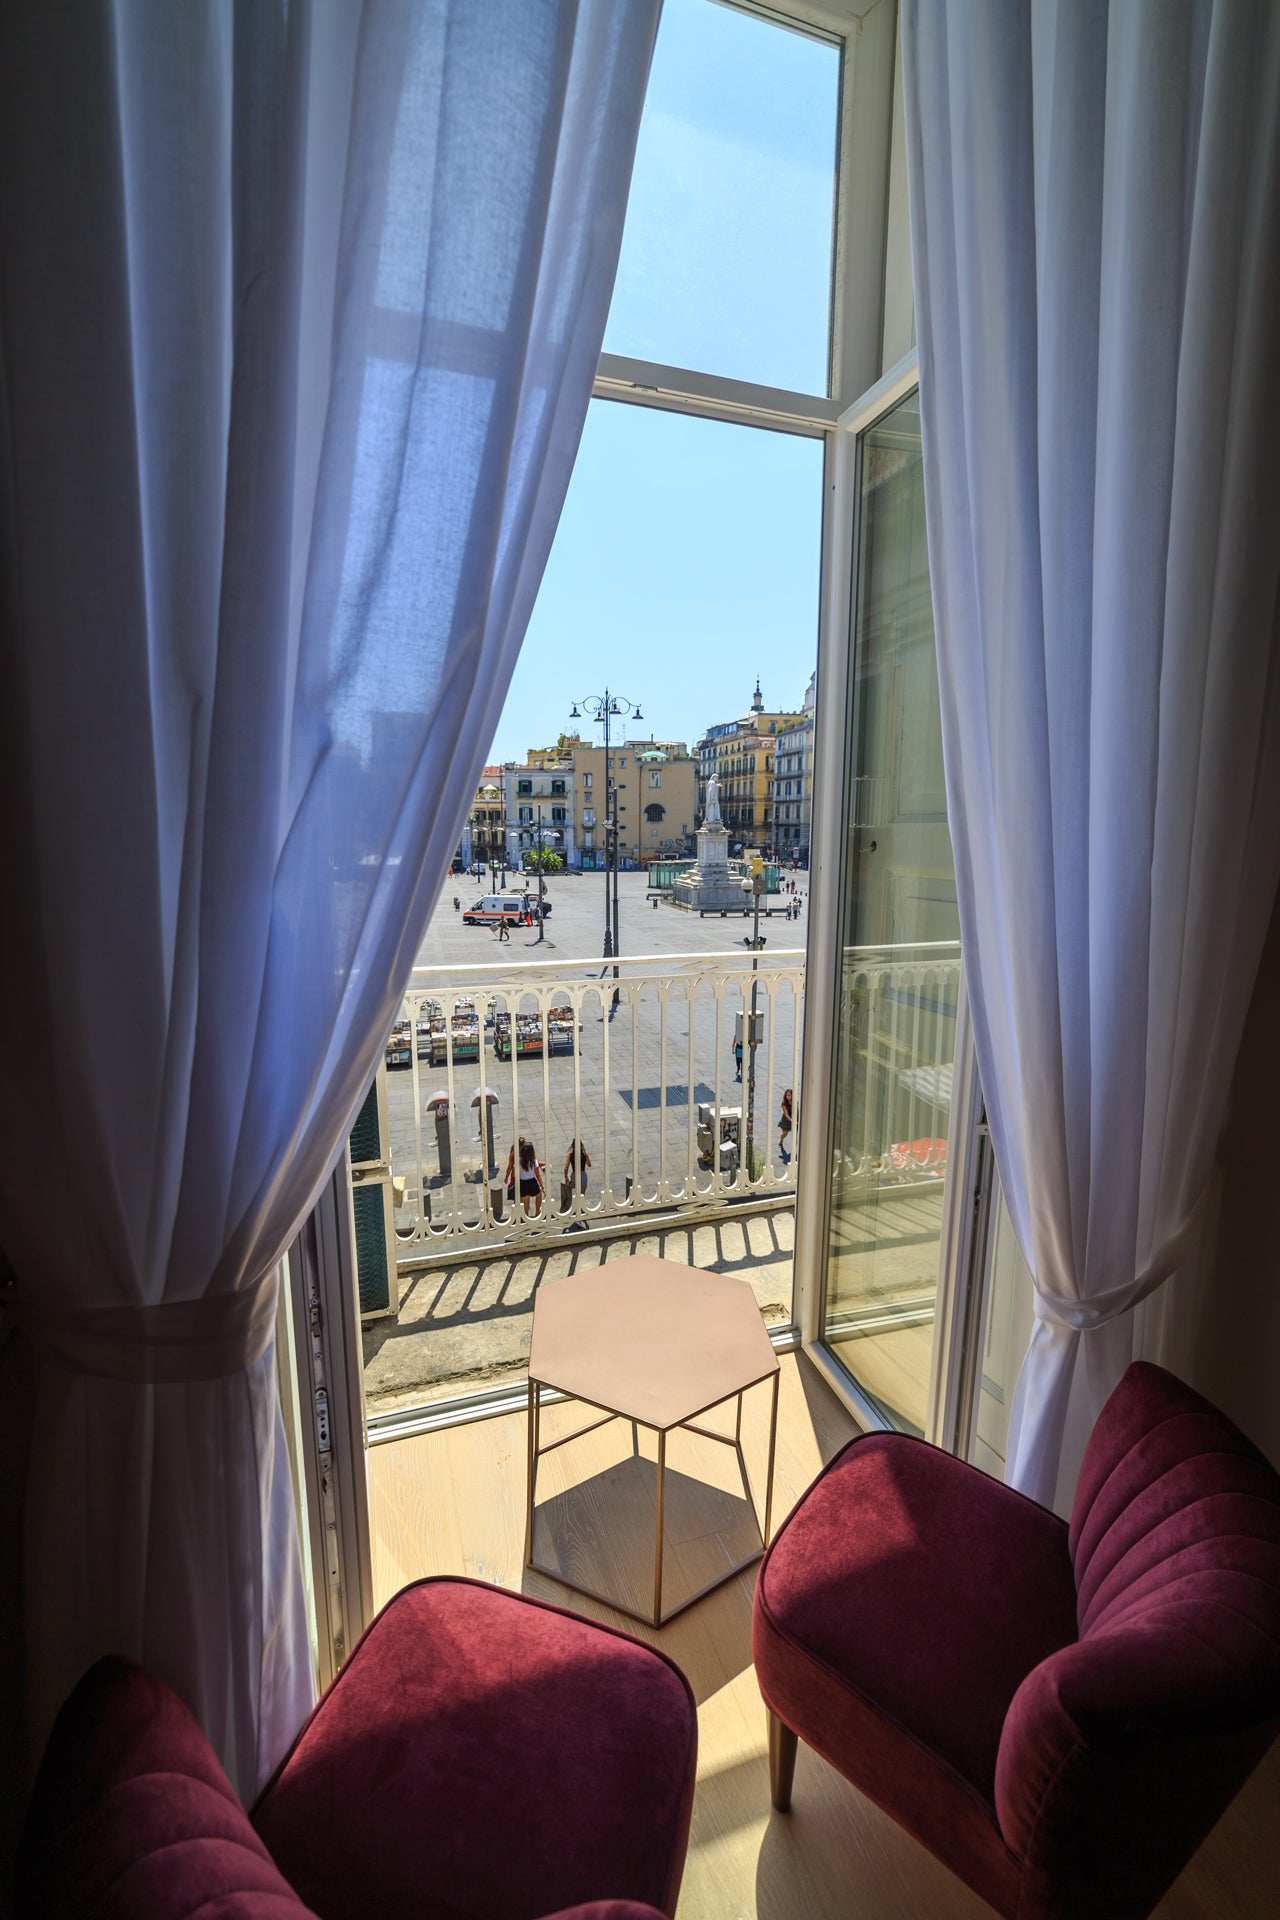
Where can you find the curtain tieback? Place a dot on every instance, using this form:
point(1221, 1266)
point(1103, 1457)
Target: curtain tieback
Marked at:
point(177, 1342)
point(1082, 1316)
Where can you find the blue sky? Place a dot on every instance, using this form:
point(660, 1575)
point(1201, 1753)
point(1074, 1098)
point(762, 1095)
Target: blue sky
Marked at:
point(686, 560)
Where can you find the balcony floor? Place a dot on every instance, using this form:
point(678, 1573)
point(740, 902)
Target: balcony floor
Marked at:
point(454, 1502)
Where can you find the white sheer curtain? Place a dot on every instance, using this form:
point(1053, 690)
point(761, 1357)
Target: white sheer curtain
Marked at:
point(301, 311)
point(1095, 212)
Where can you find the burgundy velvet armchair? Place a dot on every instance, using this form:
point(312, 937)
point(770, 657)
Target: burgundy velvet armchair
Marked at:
point(1060, 1714)
point(479, 1754)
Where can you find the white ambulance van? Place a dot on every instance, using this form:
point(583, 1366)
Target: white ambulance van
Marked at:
point(487, 912)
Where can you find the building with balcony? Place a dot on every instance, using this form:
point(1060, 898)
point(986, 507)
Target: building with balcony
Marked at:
point(539, 808)
point(484, 833)
point(653, 787)
point(740, 754)
point(793, 784)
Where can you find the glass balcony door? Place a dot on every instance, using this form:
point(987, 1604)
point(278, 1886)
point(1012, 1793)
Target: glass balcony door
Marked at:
point(893, 1096)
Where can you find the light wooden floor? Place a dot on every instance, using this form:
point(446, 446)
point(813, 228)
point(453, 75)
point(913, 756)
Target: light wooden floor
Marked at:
point(454, 1502)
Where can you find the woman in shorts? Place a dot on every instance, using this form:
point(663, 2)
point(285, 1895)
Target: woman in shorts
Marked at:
point(532, 1185)
point(784, 1129)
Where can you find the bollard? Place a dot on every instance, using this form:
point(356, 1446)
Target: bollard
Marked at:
point(490, 1102)
point(439, 1105)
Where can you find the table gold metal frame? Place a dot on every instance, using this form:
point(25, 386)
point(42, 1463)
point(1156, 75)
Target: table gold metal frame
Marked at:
point(536, 1450)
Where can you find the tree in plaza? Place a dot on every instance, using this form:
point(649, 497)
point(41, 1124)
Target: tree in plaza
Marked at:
point(547, 860)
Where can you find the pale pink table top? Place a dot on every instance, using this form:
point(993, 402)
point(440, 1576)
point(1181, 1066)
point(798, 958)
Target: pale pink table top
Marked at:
point(650, 1339)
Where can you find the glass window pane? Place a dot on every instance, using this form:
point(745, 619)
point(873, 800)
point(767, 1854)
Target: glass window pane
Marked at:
point(726, 255)
point(899, 954)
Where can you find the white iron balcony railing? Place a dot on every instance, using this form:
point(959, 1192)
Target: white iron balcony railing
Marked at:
point(650, 1088)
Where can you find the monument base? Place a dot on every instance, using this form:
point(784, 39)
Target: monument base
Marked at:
point(712, 893)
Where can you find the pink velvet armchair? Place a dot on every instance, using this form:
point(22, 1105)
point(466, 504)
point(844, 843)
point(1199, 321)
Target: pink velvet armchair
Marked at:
point(1060, 1714)
point(479, 1754)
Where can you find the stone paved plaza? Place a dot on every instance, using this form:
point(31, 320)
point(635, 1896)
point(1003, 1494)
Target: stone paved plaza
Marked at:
point(575, 926)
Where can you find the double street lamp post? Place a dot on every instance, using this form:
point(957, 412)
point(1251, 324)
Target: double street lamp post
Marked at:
point(601, 708)
point(755, 885)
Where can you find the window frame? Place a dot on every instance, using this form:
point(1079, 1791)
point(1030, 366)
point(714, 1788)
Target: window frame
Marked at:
point(961, 1252)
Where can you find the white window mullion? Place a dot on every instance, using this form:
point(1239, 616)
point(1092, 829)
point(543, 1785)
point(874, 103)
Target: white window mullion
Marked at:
point(323, 1295)
point(677, 390)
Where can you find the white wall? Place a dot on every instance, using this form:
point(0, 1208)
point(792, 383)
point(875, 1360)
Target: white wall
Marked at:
point(1235, 1357)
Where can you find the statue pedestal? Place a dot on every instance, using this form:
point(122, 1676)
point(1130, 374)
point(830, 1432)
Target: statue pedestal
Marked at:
point(710, 887)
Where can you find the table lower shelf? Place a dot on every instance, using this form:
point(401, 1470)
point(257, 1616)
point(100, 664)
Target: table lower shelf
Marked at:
point(671, 1519)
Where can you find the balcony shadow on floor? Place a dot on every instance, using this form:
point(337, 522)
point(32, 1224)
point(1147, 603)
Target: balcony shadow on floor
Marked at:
point(467, 1325)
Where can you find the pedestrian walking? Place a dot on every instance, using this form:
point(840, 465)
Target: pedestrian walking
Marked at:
point(532, 1184)
point(784, 1129)
point(576, 1162)
point(737, 1059)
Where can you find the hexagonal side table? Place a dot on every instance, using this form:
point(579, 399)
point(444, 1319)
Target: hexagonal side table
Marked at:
point(660, 1344)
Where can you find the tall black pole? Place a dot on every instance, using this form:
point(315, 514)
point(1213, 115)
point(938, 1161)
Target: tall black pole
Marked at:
point(611, 827)
point(617, 924)
point(608, 801)
point(542, 918)
point(602, 708)
point(757, 885)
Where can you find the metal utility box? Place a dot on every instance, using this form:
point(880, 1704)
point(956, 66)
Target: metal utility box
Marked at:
point(719, 1138)
point(740, 1023)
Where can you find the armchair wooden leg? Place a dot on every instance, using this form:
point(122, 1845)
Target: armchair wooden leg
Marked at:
point(782, 1762)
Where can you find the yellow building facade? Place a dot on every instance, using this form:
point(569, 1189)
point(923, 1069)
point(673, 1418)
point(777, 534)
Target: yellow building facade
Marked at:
point(740, 754)
point(654, 784)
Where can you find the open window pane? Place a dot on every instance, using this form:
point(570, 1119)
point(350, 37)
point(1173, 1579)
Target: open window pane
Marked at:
point(726, 256)
point(899, 981)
